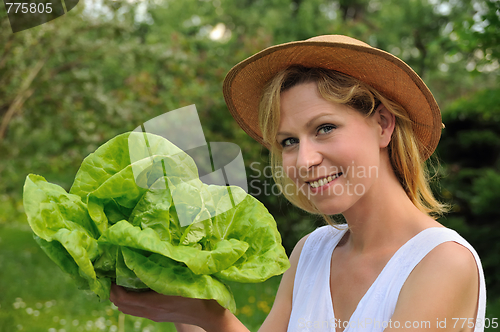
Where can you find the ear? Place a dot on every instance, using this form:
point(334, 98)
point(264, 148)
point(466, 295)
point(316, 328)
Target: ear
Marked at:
point(386, 121)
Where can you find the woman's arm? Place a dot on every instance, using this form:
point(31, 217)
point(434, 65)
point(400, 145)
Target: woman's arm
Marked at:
point(278, 318)
point(440, 294)
point(188, 328)
point(207, 314)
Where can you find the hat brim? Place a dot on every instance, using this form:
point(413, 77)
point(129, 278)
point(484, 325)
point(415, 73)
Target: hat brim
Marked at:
point(389, 75)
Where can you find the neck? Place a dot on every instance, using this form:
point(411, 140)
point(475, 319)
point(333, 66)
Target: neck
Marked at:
point(384, 217)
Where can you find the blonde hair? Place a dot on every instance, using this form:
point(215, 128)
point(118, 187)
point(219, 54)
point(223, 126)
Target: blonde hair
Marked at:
point(404, 148)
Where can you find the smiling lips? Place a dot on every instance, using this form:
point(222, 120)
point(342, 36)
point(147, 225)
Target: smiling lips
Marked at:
point(323, 181)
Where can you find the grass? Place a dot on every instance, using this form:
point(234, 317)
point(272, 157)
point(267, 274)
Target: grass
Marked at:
point(36, 296)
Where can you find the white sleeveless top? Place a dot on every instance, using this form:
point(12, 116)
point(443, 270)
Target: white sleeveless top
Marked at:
point(312, 308)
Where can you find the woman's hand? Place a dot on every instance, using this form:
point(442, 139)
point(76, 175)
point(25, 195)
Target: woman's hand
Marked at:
point(207, 314)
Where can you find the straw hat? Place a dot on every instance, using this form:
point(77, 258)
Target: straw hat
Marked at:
point(383, 71)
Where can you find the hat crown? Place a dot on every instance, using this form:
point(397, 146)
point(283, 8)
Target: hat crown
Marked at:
point(338, 39)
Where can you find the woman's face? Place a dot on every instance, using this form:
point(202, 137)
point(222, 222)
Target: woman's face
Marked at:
point(330, 151)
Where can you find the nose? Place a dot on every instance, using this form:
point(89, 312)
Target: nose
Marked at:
point(308, 156)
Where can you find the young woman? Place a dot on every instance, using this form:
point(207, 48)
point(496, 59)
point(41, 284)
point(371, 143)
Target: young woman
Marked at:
point(351, 126)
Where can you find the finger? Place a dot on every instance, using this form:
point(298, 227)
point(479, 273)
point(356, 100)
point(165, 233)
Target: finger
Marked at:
point(146, 311)
point(134, 310)
point(118, 294)
point(114, 292)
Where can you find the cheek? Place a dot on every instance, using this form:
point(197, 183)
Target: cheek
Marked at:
point(364, 148)
point(367, 165)
point(359, 160)
point(289, 167)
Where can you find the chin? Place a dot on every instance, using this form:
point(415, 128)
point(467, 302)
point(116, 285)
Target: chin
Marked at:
point(336, 204)
point(331, 208)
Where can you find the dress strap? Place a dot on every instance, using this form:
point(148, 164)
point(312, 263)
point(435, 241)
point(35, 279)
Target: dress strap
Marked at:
point(312, 308)
point(387, 286)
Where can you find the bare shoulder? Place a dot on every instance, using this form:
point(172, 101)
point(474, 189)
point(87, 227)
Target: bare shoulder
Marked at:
point(289, 275)
point(297, 250)
point(448, 259)
point(444, 285)
point(449, 264)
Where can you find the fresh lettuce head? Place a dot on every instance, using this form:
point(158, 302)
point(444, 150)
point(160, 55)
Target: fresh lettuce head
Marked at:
point(138, 215)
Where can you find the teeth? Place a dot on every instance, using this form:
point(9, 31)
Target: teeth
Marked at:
point(322, 182)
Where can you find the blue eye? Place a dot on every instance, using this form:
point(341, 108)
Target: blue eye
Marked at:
point(325, 129)
point(289, 141)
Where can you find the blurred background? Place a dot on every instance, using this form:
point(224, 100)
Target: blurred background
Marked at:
point(104, 68)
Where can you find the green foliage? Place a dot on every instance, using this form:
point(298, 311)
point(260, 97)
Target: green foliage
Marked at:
point(471, 138)
point(486, 195)
point(470, 149)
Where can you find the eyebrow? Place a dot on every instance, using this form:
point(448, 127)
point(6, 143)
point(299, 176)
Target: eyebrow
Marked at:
point(307, 125)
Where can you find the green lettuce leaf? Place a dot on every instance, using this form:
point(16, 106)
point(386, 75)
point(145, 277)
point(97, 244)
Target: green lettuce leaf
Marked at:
point(125, 276)
point(50, 208)
point(63, 259)
point(250, 222)
point(113, 178)
point(122, 151)
point(55, 215)
point(138, 215)
point(168, 277)
point(223, 255)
